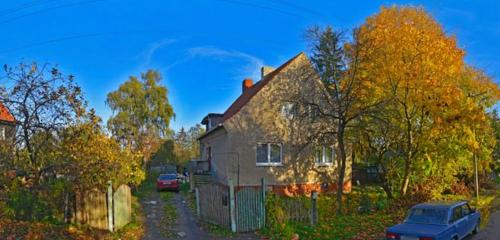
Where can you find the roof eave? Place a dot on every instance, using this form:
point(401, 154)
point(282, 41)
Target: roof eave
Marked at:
point(220, 126)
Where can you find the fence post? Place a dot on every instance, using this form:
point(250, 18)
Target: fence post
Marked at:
point(110, 206)
point(232, 206)
point(197, 195)
point(263, 202)
point(314, 209)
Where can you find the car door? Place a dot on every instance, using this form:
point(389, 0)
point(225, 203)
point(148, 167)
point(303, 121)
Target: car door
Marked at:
point(459, 221)
point(471, 219)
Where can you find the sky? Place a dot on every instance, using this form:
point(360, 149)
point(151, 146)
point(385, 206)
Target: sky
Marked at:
point(204, 48)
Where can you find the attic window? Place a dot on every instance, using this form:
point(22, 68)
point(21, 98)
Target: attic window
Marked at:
point(312, 112)
point(288, 110)
point(269, 154)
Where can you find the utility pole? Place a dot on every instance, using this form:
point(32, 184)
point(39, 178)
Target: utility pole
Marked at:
point(475, 171)
point(476, 178)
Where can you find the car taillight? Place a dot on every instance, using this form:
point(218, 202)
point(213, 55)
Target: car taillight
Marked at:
point(426, 238)
point(391, 236)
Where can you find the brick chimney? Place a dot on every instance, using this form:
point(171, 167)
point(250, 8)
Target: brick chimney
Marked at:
point(247, 83)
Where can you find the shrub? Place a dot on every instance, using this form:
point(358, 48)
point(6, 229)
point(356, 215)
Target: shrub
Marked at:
point(365, 203)
point(460, 188)
point(25, 205)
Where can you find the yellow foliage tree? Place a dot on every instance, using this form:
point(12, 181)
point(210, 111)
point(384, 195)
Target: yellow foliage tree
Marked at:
point(94, 158)
point(431, 94)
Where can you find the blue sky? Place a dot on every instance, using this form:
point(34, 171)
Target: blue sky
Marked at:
point(204, 48)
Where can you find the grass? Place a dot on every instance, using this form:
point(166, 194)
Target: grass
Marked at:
point(188, 196)
point(169, 215)
point(134, 229)
point(147, 187)
point(365, 216)
point(354, 226)
point(218, 231)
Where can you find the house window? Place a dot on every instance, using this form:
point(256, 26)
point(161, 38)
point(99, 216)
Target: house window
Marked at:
point(269, 154)
point(324, 155)
point(288, 110)
point(312, 112)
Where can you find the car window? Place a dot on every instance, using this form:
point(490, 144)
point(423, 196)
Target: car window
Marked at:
point(167, 177)
point(465, 210)
point(457, 213)
point(427, 215)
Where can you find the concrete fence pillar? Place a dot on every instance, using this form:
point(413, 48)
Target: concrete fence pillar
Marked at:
point(314, 208)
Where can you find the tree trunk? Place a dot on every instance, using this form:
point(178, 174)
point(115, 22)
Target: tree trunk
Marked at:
point(340, 182)
point(406, 176)
point(386, 186)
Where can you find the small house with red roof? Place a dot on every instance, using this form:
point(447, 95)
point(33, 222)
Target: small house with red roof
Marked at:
point(7, 124)
point(268, 133)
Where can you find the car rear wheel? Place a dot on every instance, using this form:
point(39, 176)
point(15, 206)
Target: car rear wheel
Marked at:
point(476, 228)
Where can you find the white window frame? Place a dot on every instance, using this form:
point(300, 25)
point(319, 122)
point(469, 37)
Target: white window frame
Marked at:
point(323, 156)
point(269, 163)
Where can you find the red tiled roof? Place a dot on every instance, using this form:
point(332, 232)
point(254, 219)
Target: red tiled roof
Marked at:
point(249, 93)
point(5, 114)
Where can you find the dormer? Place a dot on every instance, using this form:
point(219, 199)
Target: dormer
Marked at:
point(212, 120)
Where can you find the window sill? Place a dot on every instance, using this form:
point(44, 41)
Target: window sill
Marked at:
point(269, 164)
point(323, 164)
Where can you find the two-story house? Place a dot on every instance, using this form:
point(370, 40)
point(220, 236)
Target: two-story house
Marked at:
point(272, 131)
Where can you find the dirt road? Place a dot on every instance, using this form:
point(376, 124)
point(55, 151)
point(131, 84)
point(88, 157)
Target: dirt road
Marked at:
point(186, 224)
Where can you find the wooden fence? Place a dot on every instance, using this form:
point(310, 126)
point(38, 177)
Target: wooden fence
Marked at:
point(213, 204)
point(243, 209)
point(91, 208)
point(101, 210)
point(237, 209)
point(297, 209)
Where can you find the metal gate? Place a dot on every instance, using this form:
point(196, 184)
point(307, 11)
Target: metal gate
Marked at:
point(250, 209)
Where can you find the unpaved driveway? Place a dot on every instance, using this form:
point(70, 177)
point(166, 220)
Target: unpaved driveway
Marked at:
point(186, 225)
point(492, 230)
point(153, 208)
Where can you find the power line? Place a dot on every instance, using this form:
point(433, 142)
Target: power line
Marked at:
point(298, 7)
point(73, 37)
point(21, 7)
point(49, 9)
point(250, 4)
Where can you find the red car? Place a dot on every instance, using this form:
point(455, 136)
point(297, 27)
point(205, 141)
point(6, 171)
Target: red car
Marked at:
point(167, 182)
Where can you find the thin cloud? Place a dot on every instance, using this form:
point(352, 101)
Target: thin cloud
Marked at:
point(250, 69)
point(147, 55)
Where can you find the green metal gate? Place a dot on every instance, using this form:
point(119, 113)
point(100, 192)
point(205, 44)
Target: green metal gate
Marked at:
point(250, 209)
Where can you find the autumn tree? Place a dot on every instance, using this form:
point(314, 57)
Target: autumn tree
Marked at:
point(186, 144)
point(435, 102)
point(336, 61)
point(92, 158)
point(141, 113)
point(495, 125)
point(44, 101)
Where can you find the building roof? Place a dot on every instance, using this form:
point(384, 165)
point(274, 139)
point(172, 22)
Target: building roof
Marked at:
point(245, 97)
point(5, 114)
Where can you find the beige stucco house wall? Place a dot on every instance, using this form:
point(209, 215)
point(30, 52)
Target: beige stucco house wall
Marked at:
point(261, 119)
